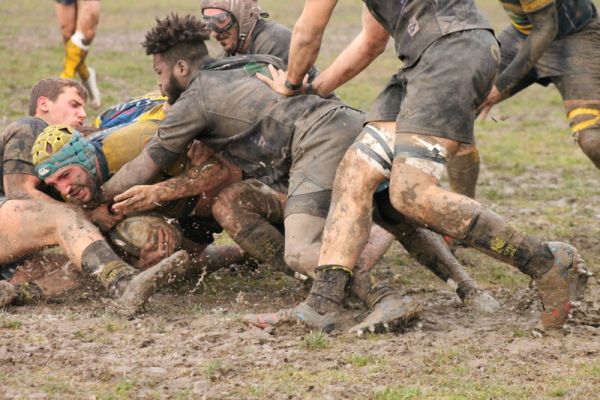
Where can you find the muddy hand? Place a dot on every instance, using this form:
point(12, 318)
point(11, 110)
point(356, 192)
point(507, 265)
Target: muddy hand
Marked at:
point(103, 218)
point(492, 98)
point(278, 81)
point(159, 245)
point(135, 199)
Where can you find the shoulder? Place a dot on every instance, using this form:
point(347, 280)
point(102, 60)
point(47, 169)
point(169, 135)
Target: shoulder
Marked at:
point(26, 126)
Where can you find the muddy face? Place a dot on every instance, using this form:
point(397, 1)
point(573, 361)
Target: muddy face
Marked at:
point(74, 183)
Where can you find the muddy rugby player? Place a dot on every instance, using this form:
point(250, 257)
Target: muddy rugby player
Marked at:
point(441, 90)
point(24, 210)
point(553, 42)
point(299, 140)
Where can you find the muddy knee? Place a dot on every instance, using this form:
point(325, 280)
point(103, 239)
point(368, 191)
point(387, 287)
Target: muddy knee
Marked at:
point(227, 201)
point(419, 162)
point(589, 141)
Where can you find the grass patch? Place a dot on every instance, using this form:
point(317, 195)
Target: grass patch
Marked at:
point(315, 340)
point(398, 393)
point(11, 324)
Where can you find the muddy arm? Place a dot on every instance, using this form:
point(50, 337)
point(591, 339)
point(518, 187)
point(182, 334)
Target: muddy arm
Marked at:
point(544, 28)
point(23, 186)
point(365, 48)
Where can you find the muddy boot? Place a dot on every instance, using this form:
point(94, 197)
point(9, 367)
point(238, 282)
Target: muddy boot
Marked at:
point(561, 285)
point(390, 312)
point(133, 293)
point(302, 313)
point(8, 293)
point(319, 310)
point(477, 299)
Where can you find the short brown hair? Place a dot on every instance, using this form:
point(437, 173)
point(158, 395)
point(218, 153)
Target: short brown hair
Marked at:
point(52, 88)
point(178, 38)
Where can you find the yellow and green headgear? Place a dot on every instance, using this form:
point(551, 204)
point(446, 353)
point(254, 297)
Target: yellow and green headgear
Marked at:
point(60, 145)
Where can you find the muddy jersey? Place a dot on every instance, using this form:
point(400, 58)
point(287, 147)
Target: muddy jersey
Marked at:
point(270, 38)
point(415, 24)
point(121, 144)
point(149, 106)
point(232, 110)
point(15, 147)
point(572, 14)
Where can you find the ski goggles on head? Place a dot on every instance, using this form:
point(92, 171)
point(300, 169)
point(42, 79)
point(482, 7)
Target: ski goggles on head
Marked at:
point(219, 23)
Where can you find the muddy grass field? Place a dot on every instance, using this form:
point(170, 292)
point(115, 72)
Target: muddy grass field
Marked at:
point(191, 344)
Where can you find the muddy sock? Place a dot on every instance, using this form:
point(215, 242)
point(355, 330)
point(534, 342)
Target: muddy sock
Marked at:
point(327, 291)
point(494, 236)
point(465, 288)
point(265, 243)
point(28, 293)
point(463, 172)
point(100, 260)
point(366, 289)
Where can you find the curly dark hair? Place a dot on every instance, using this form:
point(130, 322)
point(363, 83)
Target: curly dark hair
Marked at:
point(177, 38)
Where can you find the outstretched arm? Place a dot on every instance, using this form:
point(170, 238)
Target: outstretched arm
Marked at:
point(307, 36)
point(365, 48)
point(196, 180)
point(544, 28)
point(369, 44)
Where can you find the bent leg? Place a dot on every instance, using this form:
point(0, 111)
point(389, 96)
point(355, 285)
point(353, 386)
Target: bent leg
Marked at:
point(414, 191)
point(26, 228)
point(247, 211)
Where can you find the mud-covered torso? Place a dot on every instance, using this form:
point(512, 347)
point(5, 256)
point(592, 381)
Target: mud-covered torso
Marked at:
point(232, 111)
point(415, 24)
point(16, 142)
point(572, 14)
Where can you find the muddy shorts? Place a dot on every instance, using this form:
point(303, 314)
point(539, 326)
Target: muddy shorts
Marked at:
point(572, 62)
point(439, 95)
point(316, 154)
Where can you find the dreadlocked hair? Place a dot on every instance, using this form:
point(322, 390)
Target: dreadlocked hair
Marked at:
point(177, 38)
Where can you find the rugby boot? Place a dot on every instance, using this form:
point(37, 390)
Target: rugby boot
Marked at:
point(302, 313)
point(91, 84)
point(390, 314)
point(136, 290)
point(561, 285)
point(476, 298)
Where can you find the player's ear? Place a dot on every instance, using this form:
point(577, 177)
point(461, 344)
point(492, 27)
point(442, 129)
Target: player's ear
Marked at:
point(182, 68)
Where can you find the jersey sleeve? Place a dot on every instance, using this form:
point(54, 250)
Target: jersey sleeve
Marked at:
point(186, 120)
point(17, 151)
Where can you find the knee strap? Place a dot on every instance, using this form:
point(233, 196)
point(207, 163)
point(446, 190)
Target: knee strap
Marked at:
point(583, 118)
point(422, 153)
point(375, 146)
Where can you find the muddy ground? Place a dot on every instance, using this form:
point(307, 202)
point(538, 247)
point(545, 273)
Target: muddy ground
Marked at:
point(191, 344)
